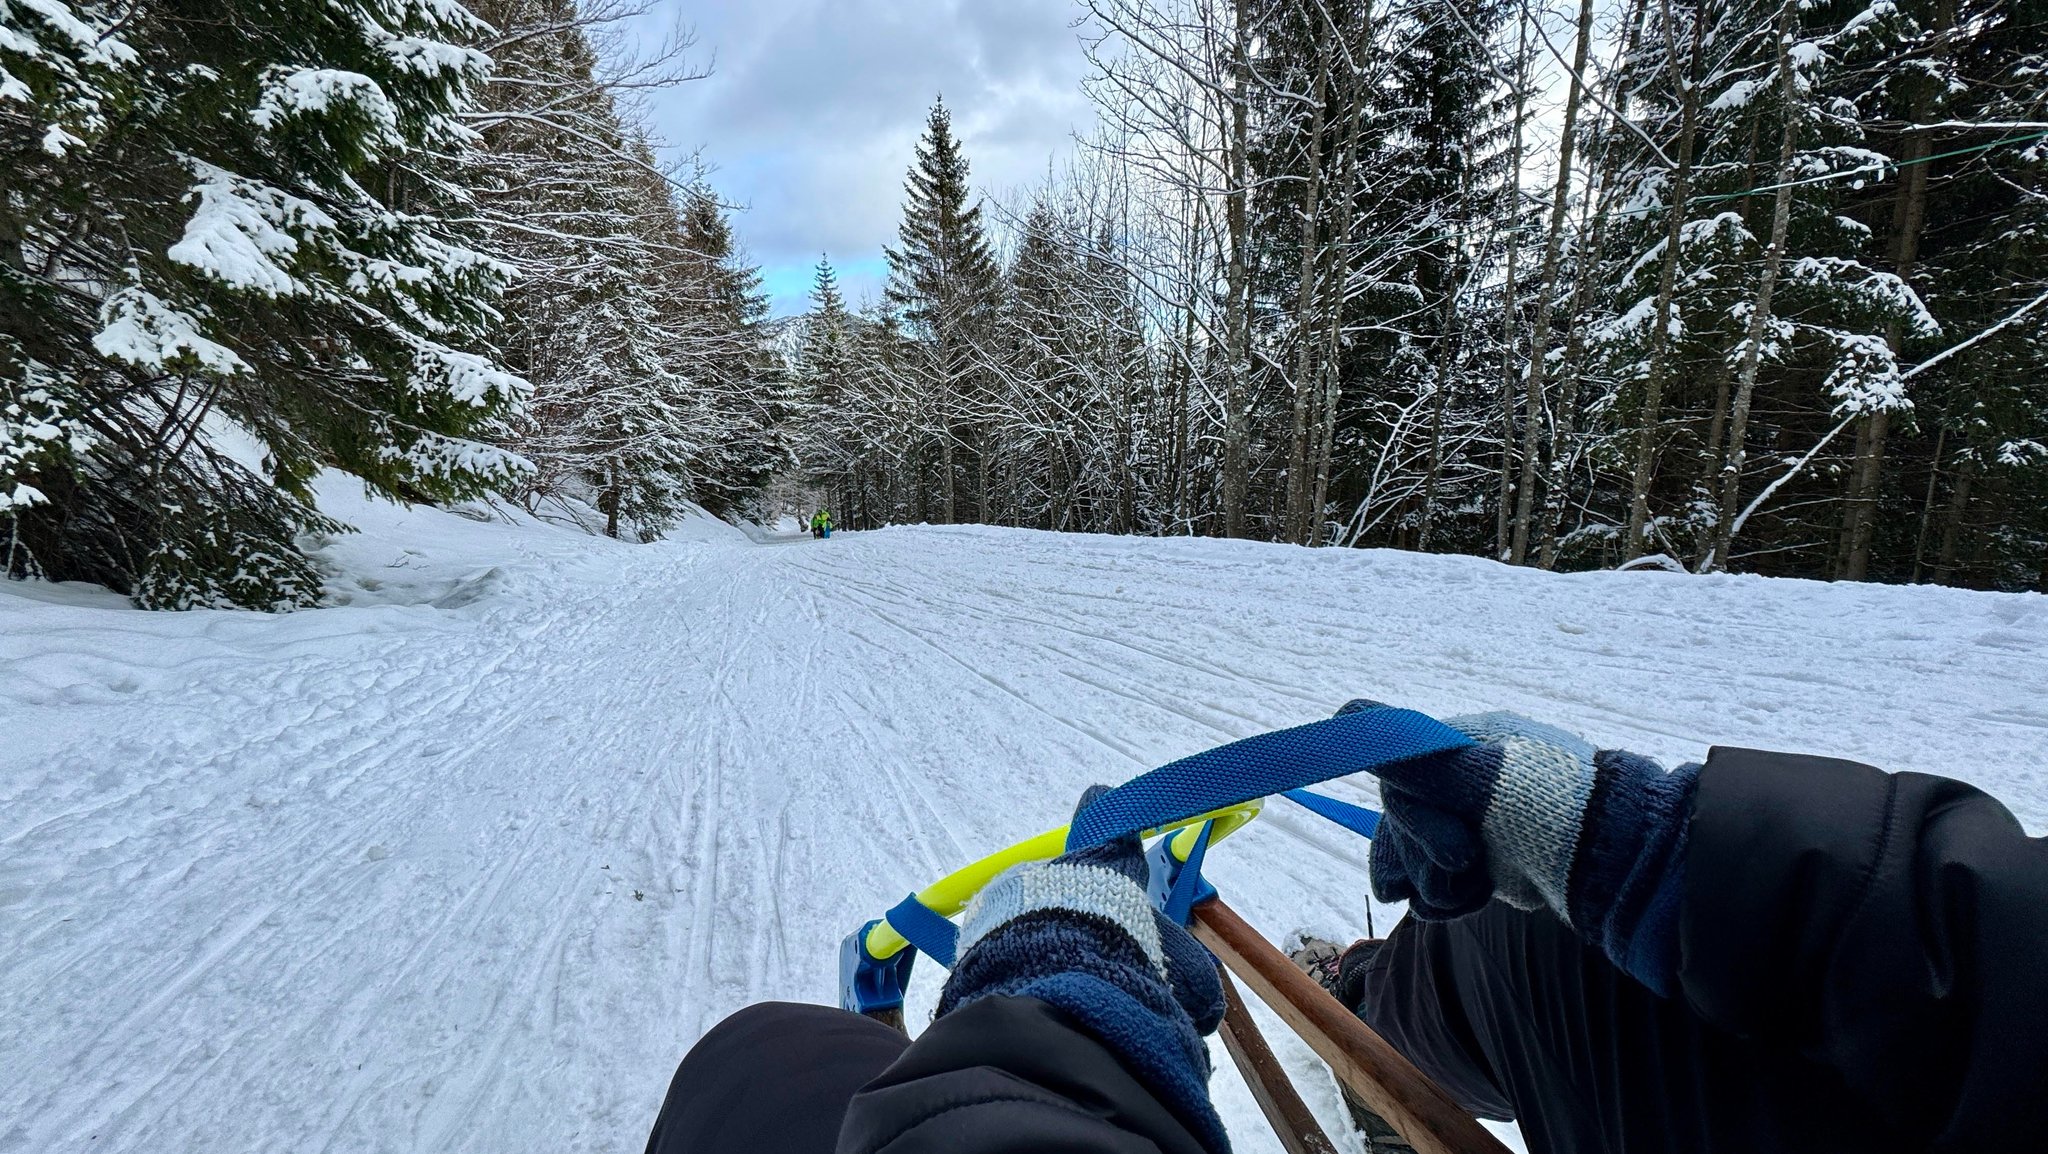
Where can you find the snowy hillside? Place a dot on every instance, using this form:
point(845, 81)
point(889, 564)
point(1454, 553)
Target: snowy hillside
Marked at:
point(466, 863)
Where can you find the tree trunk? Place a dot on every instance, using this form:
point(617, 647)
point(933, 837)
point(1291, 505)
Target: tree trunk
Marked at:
point(1332, 383)
point(1866, 477)
point(1667, 282)
point(1062, 489)
point(1717, 428)
point(981, 491)
point(1501, 520)
point(1333, 390)
point(1183, 435)
point(1759, 313)
point(613, 496)
point(1338, 282)
point(1557, 489)
point(1539, 339)
point(1558, 486)
point(1441, 386)
point(923, 484)
point(1295, 524)
point(947, 491)
point(1952, 527)
point(1126, 482)
point(1237, 418)
point(1927, 506)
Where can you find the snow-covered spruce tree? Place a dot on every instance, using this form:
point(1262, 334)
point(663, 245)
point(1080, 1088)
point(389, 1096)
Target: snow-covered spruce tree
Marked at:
point(1994, 283)
point(1840, 317)
point(568, 189)
point(1435, 181)
point(1960, 492)
point(826, 355)
point(711, 328)
point(224, 265)
point(610, 424)
point(1041, 392)
point(653, 379)
point(944, 279)
point(1059, 407)
point(1302, 112)
point(1655, 283)
point(815, 400)
point(842, 422)
point(1117, 378)
point(1379, 155)
point(1752, 309)
point(880, 418)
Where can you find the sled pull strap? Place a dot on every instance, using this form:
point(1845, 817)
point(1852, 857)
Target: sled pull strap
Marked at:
point(1356, 818)
point(1260, 766)
point(929, 932)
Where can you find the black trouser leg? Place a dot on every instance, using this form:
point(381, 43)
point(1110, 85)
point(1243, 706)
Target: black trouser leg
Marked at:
point(773, 1078)
point(1514, 1016)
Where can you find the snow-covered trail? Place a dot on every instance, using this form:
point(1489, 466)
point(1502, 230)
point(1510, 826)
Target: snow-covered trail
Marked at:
point(468, 865)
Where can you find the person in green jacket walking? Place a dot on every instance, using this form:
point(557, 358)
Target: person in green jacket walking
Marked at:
point(821, 523)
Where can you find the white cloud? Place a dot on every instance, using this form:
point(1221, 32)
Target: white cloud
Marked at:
point(814, 107)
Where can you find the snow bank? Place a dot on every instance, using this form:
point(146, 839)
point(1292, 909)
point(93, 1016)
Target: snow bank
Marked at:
point(699, 524)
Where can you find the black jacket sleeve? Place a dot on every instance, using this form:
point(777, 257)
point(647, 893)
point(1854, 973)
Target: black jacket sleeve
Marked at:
point(1003, 1075)
point(1893, 927)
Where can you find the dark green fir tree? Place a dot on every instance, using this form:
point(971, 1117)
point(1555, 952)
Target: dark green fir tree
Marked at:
point(225, 265)
point(944, 280)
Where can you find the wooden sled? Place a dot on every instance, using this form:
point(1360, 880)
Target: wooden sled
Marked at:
point(1364, 1063)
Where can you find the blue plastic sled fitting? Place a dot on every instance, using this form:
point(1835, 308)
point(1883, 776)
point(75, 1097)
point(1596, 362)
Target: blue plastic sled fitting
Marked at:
point(868, 983)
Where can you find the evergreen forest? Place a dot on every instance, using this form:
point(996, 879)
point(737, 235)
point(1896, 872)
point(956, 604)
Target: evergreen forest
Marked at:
point(1743, 285)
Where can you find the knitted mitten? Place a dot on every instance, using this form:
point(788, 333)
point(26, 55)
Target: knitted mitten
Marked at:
point(1079, 933)
point(1537, 817)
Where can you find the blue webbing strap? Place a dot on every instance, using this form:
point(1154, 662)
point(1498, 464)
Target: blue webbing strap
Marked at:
point(1260, 766)
point(1257, 766)
point(927, 932)
point(1181, 898)
point(1356, 818)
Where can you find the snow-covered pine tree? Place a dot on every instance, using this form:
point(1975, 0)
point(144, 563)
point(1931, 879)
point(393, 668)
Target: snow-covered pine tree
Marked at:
point(1748, 306)
point(825, 358)
point(569, 190)
point(712, 323)
point(1641, 294)
point(1301, 113)
point(1041, 395)
point(813, 401)
point(1838, 317)
point(610, 420)
point(944, 279)
point(1366, 310)
point(225, 263)
point(1957, 90)
point(880, 415)
point(1444, 167)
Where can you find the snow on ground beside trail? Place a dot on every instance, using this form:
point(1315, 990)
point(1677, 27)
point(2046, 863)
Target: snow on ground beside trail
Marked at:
point(467, 861)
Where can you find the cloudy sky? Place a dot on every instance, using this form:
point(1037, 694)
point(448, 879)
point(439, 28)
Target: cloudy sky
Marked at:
point(814, 106)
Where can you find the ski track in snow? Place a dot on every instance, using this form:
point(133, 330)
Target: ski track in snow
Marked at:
point(467, 864)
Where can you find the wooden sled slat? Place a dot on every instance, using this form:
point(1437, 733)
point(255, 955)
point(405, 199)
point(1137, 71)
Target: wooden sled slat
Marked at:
point(1381, 1076)
point(1289, 1116)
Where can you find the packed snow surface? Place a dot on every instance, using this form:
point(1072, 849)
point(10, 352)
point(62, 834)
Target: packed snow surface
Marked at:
point(466, 862)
